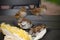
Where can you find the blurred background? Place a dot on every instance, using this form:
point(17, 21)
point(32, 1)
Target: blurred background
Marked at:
point(53, 6)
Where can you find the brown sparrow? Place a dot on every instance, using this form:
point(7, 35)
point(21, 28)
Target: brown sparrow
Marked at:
point(21, 13)
point(24, 23)
point(38, 31)
point(39, 11)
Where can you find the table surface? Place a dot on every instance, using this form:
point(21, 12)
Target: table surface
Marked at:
point(50, 21)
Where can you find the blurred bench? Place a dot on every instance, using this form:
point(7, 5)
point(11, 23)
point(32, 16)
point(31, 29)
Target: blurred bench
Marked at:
point(16, 4)
point(20, 2)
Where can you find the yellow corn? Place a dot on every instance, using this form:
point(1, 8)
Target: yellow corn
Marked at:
point(14, 30)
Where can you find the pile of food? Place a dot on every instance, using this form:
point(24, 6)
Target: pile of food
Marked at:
point(14, 33)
